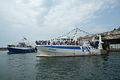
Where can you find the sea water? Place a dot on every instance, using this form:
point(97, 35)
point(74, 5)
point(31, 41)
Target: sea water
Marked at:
point(29, 67)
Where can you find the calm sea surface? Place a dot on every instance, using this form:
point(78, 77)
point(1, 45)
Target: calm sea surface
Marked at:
point(29, 67)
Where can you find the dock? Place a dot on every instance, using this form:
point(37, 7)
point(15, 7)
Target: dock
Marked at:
point(111, 41)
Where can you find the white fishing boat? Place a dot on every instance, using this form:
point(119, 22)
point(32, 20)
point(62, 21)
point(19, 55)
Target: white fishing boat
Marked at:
point(69, 45)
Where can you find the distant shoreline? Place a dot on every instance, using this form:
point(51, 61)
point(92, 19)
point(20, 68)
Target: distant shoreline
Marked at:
point(3, 48)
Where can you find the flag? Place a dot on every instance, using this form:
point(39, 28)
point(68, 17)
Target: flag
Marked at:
point(25, 38)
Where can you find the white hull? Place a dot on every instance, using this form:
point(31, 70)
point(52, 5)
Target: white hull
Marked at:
point(47, 51)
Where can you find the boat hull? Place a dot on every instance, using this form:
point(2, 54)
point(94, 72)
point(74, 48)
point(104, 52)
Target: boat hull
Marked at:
point(21, 50)
point(66, 51)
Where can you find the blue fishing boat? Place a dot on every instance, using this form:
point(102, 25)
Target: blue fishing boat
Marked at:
point(21, 47)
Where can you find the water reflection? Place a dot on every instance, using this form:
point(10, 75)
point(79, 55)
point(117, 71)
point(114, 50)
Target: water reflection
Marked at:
point(20, 67)
point(28, 67)
point(71, 68)
point(105, 57)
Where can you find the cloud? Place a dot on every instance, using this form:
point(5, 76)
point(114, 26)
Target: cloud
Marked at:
point(42, 17)
point(70, 13)
point(52, 13)
point(99, 28)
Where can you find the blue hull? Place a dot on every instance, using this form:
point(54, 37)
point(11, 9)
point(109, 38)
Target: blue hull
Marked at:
point(15, 50)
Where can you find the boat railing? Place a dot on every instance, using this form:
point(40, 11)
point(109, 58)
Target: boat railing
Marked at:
point(94, 44)
point(58, 43)
point(20, 46)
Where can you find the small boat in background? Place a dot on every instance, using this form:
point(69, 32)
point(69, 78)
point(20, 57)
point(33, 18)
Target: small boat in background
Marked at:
point(21, 47)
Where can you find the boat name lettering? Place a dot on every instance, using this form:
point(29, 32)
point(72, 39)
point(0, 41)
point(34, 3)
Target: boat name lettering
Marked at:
point(52, 49)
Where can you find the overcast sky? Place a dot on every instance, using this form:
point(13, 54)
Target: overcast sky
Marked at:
point(45, 19)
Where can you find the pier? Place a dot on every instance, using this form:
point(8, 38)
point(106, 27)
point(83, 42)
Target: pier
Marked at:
point(111, 40)
point(112, 44)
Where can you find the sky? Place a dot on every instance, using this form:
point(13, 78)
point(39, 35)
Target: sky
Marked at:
point(46, 19)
